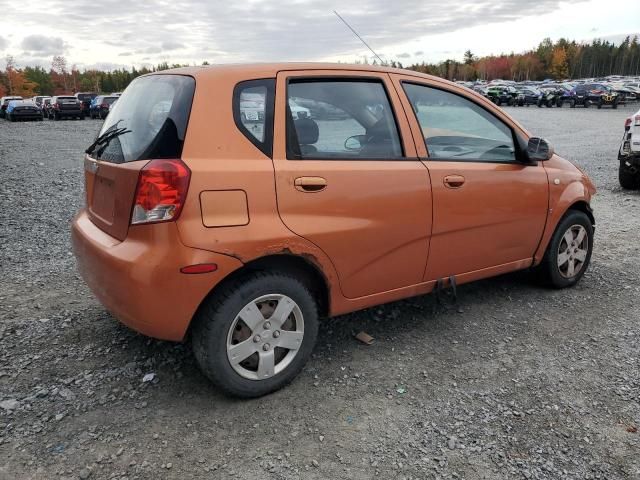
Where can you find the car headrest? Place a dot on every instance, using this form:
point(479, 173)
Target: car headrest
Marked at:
point(307, 131)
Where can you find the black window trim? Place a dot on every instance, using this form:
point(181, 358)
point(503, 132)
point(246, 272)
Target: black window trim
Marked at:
point(266, 145)
point(519, 143)
point(289, 129)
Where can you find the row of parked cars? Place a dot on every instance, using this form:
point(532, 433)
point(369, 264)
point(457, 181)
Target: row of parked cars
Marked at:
point(79, 106)
point(604, 92)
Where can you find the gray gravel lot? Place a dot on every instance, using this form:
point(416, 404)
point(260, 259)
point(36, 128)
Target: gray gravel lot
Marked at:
point(515, 382)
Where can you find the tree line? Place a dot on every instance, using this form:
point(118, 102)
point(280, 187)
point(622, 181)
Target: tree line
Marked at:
point(558, 60)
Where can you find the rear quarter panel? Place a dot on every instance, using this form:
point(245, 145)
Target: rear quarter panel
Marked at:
point(222, 159)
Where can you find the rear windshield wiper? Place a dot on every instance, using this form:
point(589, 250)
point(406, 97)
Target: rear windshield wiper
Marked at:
point(104, 143)
point(106, 136)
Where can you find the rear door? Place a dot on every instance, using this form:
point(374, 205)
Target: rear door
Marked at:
point(348, 178)
point(489, 209)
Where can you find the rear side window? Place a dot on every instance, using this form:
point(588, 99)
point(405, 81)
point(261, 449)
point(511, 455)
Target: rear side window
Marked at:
point(340, 119)
point(253, 105)
point(152, 115)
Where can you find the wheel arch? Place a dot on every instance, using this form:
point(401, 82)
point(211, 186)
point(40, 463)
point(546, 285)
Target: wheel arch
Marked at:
point(298, 266)
point(579, 204)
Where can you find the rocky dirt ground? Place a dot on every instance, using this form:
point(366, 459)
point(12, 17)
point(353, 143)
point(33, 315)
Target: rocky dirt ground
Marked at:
point(515, 382)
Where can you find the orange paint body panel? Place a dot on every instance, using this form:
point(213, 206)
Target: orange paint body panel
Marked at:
point(376, 230)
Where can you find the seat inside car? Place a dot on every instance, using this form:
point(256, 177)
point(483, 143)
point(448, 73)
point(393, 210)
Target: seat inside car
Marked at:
point(308, 132)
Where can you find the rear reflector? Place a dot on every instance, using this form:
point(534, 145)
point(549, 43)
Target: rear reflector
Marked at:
point(161, 191)
point(200, 268)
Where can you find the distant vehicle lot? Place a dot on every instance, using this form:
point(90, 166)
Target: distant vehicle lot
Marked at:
point(513, 382)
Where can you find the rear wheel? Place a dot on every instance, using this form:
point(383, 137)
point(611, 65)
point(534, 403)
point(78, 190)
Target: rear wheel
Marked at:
point(599, 104)
point(559, 103)
point(572, 104)
point(628, 180)
point(255, 335)
point(569, 251)
point(587, 103)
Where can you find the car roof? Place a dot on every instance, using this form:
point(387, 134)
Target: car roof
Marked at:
point(265, 70)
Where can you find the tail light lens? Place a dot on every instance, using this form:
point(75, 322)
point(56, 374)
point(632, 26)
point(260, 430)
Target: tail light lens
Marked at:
point(637, 119)
point(627, 123)
point(161, 191)
point(104, 105)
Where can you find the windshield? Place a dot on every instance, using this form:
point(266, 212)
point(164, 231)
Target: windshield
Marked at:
point(155, 109)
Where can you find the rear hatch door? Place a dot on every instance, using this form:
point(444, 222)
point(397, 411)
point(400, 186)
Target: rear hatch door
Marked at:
point(148, 121)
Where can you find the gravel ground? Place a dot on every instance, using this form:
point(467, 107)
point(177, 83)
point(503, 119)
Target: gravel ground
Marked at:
point(514, 382)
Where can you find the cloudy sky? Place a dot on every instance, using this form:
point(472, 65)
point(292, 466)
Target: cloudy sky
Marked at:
point(114, 33)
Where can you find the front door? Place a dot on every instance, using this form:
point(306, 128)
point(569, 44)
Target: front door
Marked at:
point(348, 177)
point(489, 208)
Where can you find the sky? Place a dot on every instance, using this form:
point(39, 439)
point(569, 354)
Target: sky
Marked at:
point(123, 33)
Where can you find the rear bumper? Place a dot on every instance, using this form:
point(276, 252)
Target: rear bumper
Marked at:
point(139, 280)
point(26, 115)
point(68, 113)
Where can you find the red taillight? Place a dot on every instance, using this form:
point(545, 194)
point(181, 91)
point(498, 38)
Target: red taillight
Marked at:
point(56, 105)
point(637, 124)
point(161, 191)
point(627, 123)
point(104, 105)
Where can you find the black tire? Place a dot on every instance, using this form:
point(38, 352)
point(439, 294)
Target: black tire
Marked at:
point(216, 317)
point(548, 271)
point(510, 102)
point(56, 116)
point(587, 103)
point(539, 103)
point(498, 102)
point(549, 103)
point(559, 103)
point(12, 118)
point(628, 180)
point(614, 105)
point(572, 104)
point(599, 104)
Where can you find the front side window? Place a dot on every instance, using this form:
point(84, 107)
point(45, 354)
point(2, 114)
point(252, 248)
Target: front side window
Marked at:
point(455, 128)
point(340, 119)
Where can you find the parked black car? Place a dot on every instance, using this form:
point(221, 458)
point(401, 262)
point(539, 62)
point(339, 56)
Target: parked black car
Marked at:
point(4, 102)
point(100, 106)
point(85, 98)
point(65, 106)
point(527, 96)
point(23, 110)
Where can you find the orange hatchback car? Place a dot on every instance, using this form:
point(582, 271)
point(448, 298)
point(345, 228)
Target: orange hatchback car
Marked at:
point(235, 205)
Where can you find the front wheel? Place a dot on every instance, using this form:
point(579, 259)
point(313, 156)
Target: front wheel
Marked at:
point(255, 335)
point(569, 251)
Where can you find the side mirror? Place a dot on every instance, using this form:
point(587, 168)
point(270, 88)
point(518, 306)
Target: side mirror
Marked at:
point(354, 143)
point(538, 149)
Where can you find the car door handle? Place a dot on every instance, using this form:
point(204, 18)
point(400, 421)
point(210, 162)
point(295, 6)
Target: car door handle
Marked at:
point(310, 184)
point(453, 181)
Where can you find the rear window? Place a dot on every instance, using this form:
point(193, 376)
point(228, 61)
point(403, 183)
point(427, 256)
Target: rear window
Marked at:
point(109, 100)
point(154, 110)
point(67, 98)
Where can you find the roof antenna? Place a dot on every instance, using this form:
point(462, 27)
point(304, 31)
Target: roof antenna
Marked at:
point(356, 34)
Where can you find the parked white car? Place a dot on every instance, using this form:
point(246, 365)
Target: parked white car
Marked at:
point(629, 153)
point(297, 111)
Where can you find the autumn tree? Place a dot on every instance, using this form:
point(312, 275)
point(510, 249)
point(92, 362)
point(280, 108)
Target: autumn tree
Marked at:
point(59, 66)
point(559, 68)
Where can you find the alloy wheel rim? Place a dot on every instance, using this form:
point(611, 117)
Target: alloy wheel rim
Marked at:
point(572, 251)
point(265, 337)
